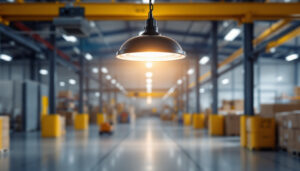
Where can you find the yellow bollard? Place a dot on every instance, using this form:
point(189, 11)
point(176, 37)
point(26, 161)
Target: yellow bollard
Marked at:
point(187, 118)
point(51, 126)
point(198, 121)
point(81, 121)
point(216, 125)
point(100, 118)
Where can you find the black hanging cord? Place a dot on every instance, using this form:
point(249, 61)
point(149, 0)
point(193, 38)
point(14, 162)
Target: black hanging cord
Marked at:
point(151, 25)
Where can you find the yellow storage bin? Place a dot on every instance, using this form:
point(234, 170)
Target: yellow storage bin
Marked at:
point(216, 125)
point(243, 131)
point(260, 133)
point(187, 119)
point(100, 118)
point(51, 126)
point(81, 122)
point(198, 121)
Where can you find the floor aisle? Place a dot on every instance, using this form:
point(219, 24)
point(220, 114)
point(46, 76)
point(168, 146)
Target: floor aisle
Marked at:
point(147, 146)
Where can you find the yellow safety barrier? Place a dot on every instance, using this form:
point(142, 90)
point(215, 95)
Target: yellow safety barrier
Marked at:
point(216, 125)
point(81, 121)
point(187, 119)
point(243, 131)
point(198, 121)
point(51, 126)
point(260, 133)
point(100, 118)
point(44, 105)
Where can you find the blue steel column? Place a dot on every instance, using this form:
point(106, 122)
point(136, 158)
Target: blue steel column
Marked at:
point(198, 104)
point(101, 91)
point(214, 66)
point(52, 73)
point(81, 81)
point(187, 94)
point(248, 69)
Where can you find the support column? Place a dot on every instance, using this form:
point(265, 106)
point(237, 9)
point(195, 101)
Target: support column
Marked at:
point(248, 69)
point(187, 94)
point(214, 66)
point(101, 91)
point(82, 119)
point(51, 124)
point(52, 73)
point(197, 71)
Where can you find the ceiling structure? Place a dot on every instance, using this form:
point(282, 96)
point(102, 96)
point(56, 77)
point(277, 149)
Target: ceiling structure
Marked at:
point(107, 36)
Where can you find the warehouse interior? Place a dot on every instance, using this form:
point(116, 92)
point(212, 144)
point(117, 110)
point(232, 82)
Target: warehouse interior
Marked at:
point(150, 85)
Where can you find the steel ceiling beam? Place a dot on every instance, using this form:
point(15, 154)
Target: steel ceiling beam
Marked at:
point(242, 12)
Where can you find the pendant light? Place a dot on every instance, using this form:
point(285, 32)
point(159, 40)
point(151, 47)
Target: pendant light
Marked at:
point(150, 45)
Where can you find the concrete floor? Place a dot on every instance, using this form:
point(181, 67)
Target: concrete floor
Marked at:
point(148, 145)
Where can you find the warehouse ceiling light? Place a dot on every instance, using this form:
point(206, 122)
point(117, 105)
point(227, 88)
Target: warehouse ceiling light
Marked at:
point(204, 60)
point(69, 38)
point(190, 71)
point(225, 81)
point(104, 70)
point(108, 77)
point(88, 56)
point(150, 46)
point(95, 70)
point(62, 84)
point(292, 57)
point(72, 81)
point(43, 72)
point(5, 57)
point(232, 34)
point(179, 81)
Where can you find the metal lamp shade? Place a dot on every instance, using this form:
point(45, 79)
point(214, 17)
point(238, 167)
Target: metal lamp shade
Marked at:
point(150, 48)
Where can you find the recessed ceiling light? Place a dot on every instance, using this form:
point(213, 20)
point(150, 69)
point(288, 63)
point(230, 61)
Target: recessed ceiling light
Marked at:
point(72, 81)
point(88, 56)
point(95, 70)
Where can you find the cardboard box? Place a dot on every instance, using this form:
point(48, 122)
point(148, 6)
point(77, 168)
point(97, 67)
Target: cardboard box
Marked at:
point(232, 125)
point(238, 105)
point(270, 110)
point(292, 121)
point(297, 91)
point(65, 94)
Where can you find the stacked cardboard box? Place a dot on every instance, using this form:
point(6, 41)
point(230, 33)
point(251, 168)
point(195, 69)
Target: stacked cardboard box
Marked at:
point(232, 106)
point(65, 94)
point(69, 117)
point(289, 130)
point(297, 91)
point(232, 125)
point(270, 110)
point(4, 138)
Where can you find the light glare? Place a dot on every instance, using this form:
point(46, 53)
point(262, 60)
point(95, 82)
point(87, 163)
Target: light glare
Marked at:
point(150, 56)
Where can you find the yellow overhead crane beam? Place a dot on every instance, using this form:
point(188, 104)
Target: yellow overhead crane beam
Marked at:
point(143, 94)
point(268, 32)
point(241, 12)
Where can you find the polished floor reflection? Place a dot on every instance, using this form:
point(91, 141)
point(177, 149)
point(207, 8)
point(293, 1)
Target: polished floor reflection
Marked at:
point(149, 145)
